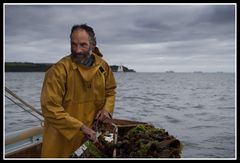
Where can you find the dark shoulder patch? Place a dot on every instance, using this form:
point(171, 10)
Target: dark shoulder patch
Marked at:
point(102, 69)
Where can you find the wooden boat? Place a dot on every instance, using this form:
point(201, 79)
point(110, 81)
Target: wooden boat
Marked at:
point(27, 143)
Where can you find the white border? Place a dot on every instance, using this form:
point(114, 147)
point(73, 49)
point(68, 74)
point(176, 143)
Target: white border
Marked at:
point(106, 4)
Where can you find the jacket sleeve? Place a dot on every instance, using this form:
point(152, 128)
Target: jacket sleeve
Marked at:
point(110, 90)
point(52, 94)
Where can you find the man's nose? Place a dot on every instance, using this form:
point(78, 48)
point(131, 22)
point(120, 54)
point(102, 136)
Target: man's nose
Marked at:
point(79, 49)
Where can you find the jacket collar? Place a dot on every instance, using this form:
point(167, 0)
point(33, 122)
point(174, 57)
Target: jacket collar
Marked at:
point(88, 72)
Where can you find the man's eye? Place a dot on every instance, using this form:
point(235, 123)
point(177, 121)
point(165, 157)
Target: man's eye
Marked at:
point(74, 44)
point(83, 45)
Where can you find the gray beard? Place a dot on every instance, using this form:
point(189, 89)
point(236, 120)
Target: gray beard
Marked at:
point(88, 61)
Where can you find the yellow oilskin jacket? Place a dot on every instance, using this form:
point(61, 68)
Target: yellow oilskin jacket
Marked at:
point(71, 96)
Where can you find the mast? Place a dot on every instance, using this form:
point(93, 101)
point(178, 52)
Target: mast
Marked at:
point(120, 68)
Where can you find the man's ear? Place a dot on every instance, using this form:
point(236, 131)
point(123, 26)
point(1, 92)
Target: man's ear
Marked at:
point(93, 46)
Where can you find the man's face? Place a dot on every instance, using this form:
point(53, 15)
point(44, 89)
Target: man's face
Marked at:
point(80, 45)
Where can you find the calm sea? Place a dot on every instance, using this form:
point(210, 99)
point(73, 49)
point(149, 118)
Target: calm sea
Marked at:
point(196, 108)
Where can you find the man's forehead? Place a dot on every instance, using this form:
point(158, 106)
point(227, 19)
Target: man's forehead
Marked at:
point(80, 35)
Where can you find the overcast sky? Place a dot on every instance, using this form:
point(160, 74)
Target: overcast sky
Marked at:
point(147, 38)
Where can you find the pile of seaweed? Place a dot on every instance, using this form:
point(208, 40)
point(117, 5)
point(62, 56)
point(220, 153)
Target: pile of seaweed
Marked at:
point(142, 141)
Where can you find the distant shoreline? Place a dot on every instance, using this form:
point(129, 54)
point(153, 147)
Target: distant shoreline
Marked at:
point(42, 67)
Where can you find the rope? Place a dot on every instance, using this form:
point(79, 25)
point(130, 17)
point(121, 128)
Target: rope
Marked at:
point(23, 107)
point(23, 102)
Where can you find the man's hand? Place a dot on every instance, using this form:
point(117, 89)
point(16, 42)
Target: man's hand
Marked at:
point(103, 116)
point(91, 135)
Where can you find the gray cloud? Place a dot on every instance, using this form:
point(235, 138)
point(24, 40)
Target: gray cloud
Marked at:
point(143, 37)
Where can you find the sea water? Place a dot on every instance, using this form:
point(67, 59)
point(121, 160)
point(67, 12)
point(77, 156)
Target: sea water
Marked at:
point(197, 108)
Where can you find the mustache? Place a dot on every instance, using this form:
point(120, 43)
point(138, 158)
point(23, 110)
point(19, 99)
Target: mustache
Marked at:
point(80, 54)
point(79, 57)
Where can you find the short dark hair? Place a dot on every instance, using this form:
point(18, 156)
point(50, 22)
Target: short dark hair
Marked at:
point(86, 28)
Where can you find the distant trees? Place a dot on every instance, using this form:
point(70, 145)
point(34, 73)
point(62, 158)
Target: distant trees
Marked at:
point(26, 67)
point(42, 67)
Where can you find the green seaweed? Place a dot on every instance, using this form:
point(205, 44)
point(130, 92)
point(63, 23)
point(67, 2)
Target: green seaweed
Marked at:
point(142, 141)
